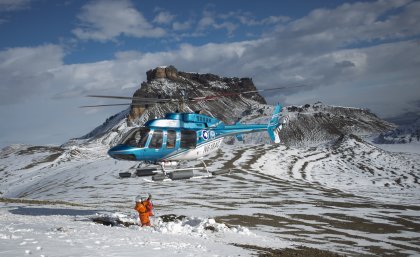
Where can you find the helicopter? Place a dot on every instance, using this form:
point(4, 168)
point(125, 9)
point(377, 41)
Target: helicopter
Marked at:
point(183, 136)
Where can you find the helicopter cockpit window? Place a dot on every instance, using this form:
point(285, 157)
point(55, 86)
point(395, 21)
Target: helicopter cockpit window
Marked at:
point(157, 139)
point(188, 139)
point(171, 139)
point(136, 137)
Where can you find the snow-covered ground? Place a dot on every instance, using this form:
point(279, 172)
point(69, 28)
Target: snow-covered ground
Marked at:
point(349, 197)
point(45, 230)
point(413, 147)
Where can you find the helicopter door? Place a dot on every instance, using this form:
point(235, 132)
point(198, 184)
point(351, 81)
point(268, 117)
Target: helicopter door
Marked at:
point(170, 139)
point(188, 139)
point(157, 139)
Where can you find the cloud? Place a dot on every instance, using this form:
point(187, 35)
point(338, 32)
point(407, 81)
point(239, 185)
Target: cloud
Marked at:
point(181, 25)
point(231, 21)
point(164, 17)
point(209, 20)
point(248, 19)
point(27, 71)
point(349, 24)
point(206, 21)
point(14, 5)
point(106, 20)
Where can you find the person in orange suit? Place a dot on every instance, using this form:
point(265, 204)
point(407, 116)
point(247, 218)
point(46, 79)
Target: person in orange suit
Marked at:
point(149, 205)
point(143, 212)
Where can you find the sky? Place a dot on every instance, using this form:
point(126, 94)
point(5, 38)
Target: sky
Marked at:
point(362, 54)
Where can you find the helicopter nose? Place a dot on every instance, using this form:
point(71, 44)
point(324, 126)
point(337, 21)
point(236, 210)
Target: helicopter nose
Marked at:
point(122, 152)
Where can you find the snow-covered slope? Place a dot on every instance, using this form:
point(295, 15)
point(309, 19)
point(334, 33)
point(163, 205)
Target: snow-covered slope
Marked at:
point(319, 123)
point(349, 164)
point(405, 133)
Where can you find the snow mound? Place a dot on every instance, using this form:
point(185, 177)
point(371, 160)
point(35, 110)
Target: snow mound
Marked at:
point(196, 225)
point(175, 225)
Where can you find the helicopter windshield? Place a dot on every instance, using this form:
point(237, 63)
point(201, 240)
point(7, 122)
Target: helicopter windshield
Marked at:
point(136, 137)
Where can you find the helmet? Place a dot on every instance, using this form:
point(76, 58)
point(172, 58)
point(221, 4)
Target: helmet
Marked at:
point(139, 198)
point(150, 196)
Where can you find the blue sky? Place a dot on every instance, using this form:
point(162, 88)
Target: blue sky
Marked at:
point(52, 53)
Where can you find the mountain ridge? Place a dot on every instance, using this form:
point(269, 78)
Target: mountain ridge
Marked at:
point(307, 123)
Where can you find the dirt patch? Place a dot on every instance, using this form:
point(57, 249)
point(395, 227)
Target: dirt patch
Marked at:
point(49, 158)
point(289, 252)
point(40, 149)
point(41, 202)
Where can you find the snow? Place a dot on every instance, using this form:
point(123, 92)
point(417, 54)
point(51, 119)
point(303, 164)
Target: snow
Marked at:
point(413, 147)
point(219, 84)
point(46, 231)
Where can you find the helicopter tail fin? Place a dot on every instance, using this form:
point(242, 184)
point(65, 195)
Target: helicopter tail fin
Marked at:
point(274, 124)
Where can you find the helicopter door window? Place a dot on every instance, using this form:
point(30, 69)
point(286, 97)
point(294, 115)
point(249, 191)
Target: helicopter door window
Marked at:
point(188, 139)
point(171, 139)
point(136, 137)
point(157, 139)
point(144, 133)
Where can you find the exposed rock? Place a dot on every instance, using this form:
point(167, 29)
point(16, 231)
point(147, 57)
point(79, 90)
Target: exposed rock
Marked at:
point(169, 72)
point(168, 82)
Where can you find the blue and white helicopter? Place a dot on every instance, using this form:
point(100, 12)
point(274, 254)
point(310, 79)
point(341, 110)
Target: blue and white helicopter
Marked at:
point(182, 136)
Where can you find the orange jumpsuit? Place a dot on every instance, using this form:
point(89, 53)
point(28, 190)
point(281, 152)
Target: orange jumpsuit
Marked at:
point(143, 213)
point(149, 206)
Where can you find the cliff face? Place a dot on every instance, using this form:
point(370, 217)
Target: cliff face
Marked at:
point(168, 82)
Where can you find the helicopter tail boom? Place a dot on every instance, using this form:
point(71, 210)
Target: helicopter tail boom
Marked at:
point(274, 124)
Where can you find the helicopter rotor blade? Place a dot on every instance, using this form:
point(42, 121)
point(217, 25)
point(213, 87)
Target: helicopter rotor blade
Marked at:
point(103, 105)
point(151, 100)
point(141, 101)
point(214, 97)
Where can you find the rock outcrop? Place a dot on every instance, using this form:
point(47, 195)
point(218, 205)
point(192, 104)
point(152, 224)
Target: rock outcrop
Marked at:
point(169, 72)
point(168, 82)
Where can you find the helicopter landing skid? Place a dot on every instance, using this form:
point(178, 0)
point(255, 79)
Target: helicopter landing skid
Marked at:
point(178, 174)
point(164, 173)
